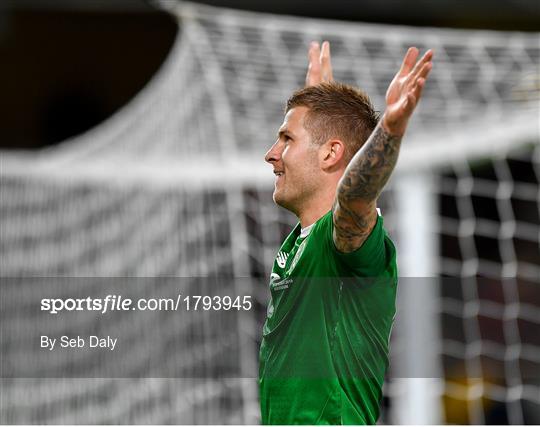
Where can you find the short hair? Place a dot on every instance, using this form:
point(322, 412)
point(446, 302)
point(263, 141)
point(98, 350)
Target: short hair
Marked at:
point(336, 110)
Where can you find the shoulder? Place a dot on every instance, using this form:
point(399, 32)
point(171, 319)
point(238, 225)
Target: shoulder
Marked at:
point(374, 256)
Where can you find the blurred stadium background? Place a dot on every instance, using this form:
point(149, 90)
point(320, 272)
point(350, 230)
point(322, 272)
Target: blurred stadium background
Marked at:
point(132, 137)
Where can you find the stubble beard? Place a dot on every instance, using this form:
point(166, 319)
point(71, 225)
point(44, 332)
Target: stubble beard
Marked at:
point(281, 199)
point(294, 203)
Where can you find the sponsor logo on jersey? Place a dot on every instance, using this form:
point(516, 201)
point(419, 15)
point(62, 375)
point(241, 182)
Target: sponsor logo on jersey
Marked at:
point(282, 284)
point(282, 259)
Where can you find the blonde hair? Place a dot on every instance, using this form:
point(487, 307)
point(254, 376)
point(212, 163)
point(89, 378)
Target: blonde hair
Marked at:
point(336, 111)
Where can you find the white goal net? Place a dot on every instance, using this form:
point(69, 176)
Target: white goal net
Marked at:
point(174, 185)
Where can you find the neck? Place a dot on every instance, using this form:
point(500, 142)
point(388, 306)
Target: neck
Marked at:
point(311, 217)
point(311, 212)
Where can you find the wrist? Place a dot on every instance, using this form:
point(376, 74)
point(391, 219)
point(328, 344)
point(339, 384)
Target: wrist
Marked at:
point(393, 128)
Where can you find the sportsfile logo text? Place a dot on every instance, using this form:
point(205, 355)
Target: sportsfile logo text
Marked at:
point(119, 303)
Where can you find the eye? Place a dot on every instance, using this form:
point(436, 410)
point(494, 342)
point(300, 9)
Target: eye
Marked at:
point(287, 138)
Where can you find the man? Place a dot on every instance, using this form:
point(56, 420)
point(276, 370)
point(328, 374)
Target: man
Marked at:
point(324, 351)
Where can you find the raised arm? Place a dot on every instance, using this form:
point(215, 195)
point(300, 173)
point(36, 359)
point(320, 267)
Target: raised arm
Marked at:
point(354, 210)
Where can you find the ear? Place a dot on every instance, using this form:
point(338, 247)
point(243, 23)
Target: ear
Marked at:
point(331, 153)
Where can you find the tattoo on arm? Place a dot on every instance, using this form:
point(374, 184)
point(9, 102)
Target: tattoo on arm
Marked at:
point(354, 213)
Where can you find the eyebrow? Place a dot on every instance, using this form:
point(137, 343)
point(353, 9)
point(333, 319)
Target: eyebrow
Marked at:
point(284, 131)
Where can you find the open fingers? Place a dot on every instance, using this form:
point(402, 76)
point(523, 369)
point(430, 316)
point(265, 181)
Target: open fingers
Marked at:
point(414, 95)
point(313, 75)
point(408, 61)
point(419, 66)
point(314, 52)
point(326, 63)
point(417, 89)
point(421, 74)
point(424, 71)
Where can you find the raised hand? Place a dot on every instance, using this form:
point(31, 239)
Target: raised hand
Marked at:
point(405, 91)
point(320, 66)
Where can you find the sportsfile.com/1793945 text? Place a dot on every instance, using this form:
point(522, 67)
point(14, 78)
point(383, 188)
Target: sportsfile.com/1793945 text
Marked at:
point(118, 303)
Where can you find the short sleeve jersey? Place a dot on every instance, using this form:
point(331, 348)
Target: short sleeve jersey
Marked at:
point(324, 351)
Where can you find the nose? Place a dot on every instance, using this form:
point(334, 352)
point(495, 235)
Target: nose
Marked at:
point(274, 153)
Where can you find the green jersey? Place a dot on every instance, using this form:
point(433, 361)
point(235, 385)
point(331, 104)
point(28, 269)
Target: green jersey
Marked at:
point(324, 351)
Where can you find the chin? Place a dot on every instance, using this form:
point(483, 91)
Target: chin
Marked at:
point(282, 201)
point(278, 198)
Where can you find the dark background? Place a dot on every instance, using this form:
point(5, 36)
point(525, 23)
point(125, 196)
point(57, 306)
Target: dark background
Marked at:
point(67, 65)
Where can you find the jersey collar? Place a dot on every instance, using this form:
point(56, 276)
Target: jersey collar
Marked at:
point(306, 230)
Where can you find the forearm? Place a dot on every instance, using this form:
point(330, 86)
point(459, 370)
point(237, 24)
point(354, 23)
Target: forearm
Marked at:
point(370, 168)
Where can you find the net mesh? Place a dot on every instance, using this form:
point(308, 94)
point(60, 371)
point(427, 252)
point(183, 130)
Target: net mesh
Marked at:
point(489, 233)
point(174, 184)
